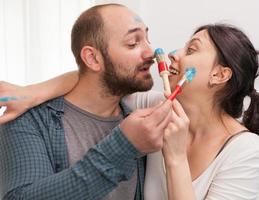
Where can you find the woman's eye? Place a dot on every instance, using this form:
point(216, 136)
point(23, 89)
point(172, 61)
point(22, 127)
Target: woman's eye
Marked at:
point(189, 51)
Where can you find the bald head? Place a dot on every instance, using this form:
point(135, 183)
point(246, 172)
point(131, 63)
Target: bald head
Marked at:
point(89, 30)
point(118, 19)
point(96, 25)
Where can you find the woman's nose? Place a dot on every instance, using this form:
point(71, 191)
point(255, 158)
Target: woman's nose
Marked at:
point(172, 55)
point(175, 55)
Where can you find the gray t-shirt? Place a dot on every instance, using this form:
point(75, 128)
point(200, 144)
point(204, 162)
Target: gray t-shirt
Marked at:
point(82, 131)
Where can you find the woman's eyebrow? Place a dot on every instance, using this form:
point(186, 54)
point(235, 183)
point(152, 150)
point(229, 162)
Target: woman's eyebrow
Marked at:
point(194, 40)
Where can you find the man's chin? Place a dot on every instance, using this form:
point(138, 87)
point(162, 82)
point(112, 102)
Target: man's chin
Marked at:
point(145, 85)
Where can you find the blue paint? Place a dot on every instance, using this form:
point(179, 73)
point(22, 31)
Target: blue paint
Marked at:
point(138, 19)
point(173, 52)
point(190, 73)
point(159, 51)
point(6, 99)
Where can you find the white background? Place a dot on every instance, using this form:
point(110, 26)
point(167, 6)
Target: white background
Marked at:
point(35, 34)
point(35, 38)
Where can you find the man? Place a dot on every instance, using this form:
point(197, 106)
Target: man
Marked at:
point(80, 146)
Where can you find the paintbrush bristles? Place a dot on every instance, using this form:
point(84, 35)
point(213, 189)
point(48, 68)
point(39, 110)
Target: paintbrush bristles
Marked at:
point(160, 55)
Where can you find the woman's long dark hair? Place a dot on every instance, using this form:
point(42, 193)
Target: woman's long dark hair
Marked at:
point(235, 50)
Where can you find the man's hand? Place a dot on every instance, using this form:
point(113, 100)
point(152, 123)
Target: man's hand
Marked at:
point(144, 128)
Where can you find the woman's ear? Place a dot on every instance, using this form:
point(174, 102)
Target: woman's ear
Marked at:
point(91, 58)
point(220, 75)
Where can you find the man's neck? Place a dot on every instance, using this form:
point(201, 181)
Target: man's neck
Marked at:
point(91, 97)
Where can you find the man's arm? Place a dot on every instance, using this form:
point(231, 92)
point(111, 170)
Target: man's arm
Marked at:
point(33, 95)
point(27, 170)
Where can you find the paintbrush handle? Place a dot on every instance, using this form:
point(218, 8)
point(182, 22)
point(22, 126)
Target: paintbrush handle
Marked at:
point(177, 90)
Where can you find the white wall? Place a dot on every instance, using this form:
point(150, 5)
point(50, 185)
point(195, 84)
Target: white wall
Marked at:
point(35, 38)
point(35, 34)
point(172, 22)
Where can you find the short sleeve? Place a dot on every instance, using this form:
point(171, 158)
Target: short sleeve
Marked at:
point(238, 177)
point(143, 99)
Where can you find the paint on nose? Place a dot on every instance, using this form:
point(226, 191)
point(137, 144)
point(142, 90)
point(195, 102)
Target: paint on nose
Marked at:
point(173, 52)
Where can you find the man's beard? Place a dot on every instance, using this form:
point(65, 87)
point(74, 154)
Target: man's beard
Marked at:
point(118, 84)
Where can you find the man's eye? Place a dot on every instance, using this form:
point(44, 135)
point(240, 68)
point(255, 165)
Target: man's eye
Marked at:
point(132, 45)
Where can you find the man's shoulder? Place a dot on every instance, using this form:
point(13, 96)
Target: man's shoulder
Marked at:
point(39, 114)
point(53, 105)
point(56, 104)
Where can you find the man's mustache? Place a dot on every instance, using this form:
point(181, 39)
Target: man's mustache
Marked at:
point(148, 62)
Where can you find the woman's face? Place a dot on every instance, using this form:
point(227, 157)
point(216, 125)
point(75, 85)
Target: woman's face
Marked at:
point(200, 53)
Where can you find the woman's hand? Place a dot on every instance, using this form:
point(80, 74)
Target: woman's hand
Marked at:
point(16, 99)
point(19, 99)
point(178, 176)
point(175, 136)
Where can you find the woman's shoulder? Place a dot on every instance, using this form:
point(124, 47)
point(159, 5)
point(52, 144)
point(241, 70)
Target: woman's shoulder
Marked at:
point(235, 168)
point(247, 140)
point(242, 148)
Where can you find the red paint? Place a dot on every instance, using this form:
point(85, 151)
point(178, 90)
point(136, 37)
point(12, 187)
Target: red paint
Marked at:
point(177, 90)
point(162, 66)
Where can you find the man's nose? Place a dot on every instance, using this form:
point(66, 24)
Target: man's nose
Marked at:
point(148, 52)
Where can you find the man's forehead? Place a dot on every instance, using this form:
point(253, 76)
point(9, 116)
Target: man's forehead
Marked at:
point(138, 19)
point(121, 19)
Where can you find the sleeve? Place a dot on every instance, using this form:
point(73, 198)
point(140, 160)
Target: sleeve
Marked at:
point(238, 178)
point(143, 99)
point(27, 172)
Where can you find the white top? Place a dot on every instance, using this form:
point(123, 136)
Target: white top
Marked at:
point(234, 174)
point(143, 99)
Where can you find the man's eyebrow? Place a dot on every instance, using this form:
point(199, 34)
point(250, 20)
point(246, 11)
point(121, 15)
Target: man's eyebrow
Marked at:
point(135, 30)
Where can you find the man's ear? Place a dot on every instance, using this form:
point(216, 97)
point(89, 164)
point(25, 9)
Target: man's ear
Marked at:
point(91, 58)
point(220, 75)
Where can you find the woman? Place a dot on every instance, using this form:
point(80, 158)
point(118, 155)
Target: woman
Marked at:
point(217, 157)
point(209, 154)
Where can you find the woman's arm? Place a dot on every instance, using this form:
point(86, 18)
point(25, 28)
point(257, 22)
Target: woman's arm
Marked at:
point(237, 174)
point(178, 179)
point(178, 176)
point(18, 99)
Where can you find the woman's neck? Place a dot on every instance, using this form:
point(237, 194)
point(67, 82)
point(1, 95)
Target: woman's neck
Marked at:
point(210, 120)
